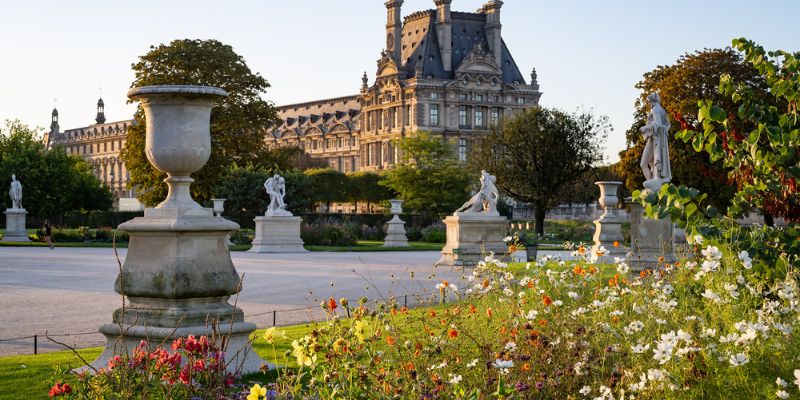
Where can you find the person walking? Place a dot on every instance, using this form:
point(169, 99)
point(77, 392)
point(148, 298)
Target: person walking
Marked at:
point(48, 234)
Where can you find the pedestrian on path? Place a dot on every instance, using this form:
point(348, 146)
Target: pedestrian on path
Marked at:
point(48, 234)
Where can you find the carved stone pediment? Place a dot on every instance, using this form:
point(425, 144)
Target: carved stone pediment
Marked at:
point(478, 62)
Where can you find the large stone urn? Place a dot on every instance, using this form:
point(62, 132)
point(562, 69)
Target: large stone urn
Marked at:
point(396, 230)
point(608, 237)
point(178, 275)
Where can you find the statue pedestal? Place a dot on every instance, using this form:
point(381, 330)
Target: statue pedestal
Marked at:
point(396, 233)
point(277, 235)
point(177, 278)
point(650, 240)
point(471, 236)
point(15, 225)
point(608, 229)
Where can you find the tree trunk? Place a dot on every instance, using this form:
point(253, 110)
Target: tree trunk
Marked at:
point(768, 219)
point(539, 213)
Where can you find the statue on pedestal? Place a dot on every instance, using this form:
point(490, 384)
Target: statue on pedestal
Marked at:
point(485, 201)
point(15, 192)
point(276, 189)
point(655, 158)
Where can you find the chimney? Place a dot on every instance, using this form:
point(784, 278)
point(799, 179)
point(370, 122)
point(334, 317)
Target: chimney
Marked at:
point(444, 32)
point(394, 28)
point(493, 29)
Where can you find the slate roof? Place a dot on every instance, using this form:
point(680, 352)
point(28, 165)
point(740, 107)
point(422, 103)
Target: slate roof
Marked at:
point(420, 45)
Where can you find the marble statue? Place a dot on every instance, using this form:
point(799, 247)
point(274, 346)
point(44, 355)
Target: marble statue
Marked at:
point(276, 189)
point(485, 201)
point(655, 158)
point(15, 192)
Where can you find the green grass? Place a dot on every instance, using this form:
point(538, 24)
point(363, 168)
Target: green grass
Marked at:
point(29, 377)
point(64, 244)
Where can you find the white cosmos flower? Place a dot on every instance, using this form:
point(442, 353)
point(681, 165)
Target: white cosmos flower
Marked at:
point(797, 377)
point(511, 346)
point(780, 382)
point(783, 328)
point(738, 359)
point(746, 260)
point(507, 239)
point(586, 390)
point(455, 379)
point(698, 240)
point(639, 349)
point(709, 294)
point(782, 394)
point(531, 315)
point(712, 253)
point(500, 363)
point(472, 363)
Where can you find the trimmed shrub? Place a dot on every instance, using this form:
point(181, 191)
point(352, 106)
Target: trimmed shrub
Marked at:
point(434, 233)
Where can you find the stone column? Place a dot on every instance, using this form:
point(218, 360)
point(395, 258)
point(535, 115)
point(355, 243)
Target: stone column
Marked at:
point(396, 231)
point(608, 228)
point(178, 274)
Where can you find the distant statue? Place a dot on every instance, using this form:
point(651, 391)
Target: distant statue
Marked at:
point(655, 158)
point(485, 201)
point(276, 189)
point(15, 192)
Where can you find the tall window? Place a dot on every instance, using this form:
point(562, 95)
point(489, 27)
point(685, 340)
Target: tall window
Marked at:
point(464, 97)
point(407, 115)
point(434, 96)
point(478, 97)
point(462, 149)
point(434, 120)
point(478, 117)
point(462, 116)
point(494, 119)
point(520, 100)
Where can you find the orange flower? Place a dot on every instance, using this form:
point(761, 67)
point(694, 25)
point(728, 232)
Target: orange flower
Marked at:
point(616, 243)
point(512, 248)
point(581, 250)
point(661, 259)
point(453, 333)
point(390, 341)
point(485, 283)
point(331, 304)
point(393, 311)
point(542, 322)
point(526, 367)
point(546, 300)
point(409, 366)
point(472, 309)
point(432, 313)
point(489, 312)
point(592, 270)
point(403, 309)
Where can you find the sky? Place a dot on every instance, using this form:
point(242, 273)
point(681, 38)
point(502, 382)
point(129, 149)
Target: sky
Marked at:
point(587, 54)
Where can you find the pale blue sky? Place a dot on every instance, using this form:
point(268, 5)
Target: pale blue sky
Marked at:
point(587, 53)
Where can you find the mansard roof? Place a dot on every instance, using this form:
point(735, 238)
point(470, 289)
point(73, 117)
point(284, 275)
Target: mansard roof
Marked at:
point(327, 115)
point(420, 45)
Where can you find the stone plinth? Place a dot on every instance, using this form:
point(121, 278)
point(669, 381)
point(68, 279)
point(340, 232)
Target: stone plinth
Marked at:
point(650, 240)
point(177, 278)
point(471, 236)
point(15, 226)
point(608, 230)
point(396, 233)
point(277, 235)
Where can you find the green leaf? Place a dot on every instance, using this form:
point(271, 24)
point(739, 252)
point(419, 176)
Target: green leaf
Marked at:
point(752, 138)
point(691, 208)
point(717, 114)
point(697, 143)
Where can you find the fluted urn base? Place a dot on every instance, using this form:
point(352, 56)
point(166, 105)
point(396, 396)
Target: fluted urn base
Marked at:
point(177, 281)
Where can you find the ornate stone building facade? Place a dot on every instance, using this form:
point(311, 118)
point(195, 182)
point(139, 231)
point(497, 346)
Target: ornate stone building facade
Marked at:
point(442, 71)
point(99, 144)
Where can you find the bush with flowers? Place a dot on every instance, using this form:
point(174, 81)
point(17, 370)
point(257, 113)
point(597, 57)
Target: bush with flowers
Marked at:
point(194, 368)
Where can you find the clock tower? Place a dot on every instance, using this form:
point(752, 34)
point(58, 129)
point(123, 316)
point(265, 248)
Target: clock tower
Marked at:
point(394, 26)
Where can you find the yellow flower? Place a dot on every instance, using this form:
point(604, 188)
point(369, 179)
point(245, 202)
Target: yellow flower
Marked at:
point(362, 330)
point(304, 351)
point(273, 333)
point(257, 393)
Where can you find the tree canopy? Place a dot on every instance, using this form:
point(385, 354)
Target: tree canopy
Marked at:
point(54, 183)
point(693, 77)
point(238, 122)
point(538, 152)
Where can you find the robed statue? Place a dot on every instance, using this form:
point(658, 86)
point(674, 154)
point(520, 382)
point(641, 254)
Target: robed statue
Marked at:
point(276, 189)
point(15, 192)
point(655, 158)
point(485, 201)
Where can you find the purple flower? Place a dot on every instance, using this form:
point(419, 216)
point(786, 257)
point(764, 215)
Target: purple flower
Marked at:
point(539, 385)
point(522, 386)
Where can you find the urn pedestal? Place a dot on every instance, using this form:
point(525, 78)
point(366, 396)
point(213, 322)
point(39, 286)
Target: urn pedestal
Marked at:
point(178, 275)
point(396, 229)
point(652, 241)
point(277, 235)
point(15, 226)
point(608, 227)
point(471, 236)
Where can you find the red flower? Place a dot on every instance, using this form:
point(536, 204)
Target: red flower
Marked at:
point(59, 389)
point(452, 333)
point(547, 300)
point(331, 304)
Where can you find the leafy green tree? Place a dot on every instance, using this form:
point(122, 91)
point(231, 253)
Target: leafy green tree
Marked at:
point(693, 77)
point(238, 123)
point(329, 186)
point(538, 152)
point(583, 190)
point(429, 177)
point(365, 186)
point(54, 183)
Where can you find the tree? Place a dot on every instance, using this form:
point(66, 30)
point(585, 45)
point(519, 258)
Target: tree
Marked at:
point(693, 77)
point(429, 177)
point(539, 151)
point(238, 122)
point(329, 186)
point(54, 182)
point(583, 190)
point(365, 186)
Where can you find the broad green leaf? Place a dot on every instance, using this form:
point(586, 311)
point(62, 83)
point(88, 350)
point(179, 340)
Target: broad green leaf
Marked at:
point(717, 113)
